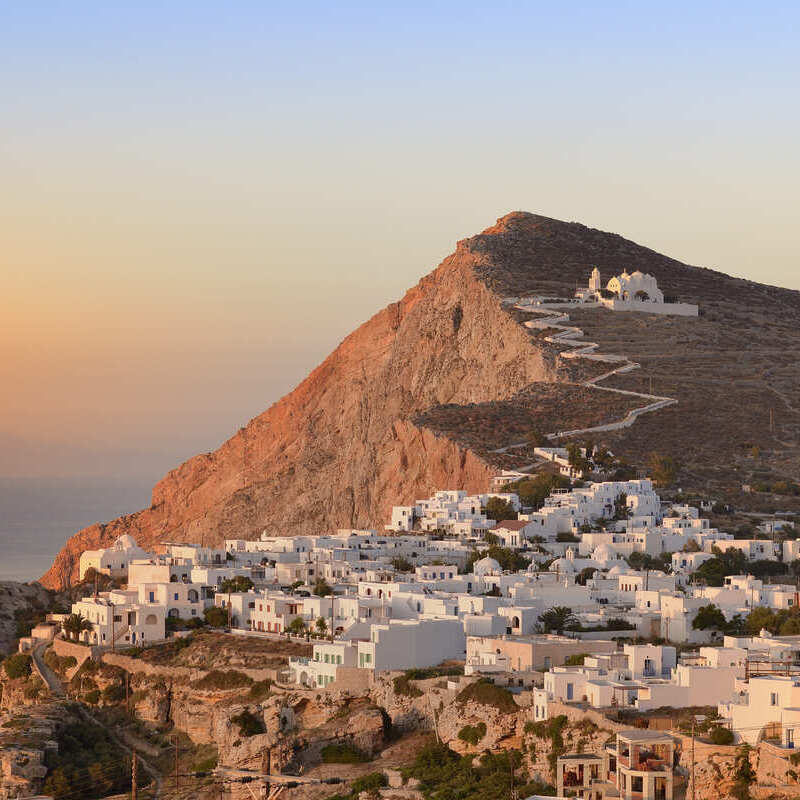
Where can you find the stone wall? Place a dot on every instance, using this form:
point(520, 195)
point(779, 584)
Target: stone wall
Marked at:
point(134, 665)
point(353, 679)
point(80, 652)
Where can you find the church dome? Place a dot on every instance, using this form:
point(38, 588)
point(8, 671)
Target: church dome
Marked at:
point(563, 565)
point(486, 566)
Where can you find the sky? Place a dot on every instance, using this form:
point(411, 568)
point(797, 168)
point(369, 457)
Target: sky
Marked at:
point(200, 200)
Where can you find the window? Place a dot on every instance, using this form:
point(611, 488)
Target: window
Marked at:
point(152, 597)
point(773, 698)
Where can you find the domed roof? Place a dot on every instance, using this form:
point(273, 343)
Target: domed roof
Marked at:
point(125, 542)
point(604, 552)
point(618, 570)
point(485, 566)
point(563, 565)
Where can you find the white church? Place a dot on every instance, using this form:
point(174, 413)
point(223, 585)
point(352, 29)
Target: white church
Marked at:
point(636, 291)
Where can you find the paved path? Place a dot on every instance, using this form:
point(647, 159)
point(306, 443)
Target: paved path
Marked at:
point(572, 337)
point(45, 673)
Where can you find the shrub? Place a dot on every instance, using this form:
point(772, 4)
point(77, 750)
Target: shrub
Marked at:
point(206, 764)
point(92, 697)
point(113, 693)
point(223, 680)
point(402, 686)
point(18, 665)
point(444, 775)
point(260, 690)
point(58, 663)
point(87, 764)
point(370, 782)
point(721, 735)
point(342, 754)
point(575, 660)
point(485, 693)
point(249, 724)
point(472, 734)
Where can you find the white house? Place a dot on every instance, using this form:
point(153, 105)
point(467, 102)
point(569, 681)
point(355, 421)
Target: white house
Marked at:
point(114, 560)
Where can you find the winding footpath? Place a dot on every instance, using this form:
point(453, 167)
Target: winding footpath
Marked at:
point(56, 687)
point(572, 336)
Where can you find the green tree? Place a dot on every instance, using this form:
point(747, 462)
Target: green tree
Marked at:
point(715, 570)
point(499, 509)
point(216, 617)
point(75, 624)
point(586, 574)
point(709, 618)
point(557, 619)
point(760, 617)
point(17, 665)
point(663, 469)
point(297, 626)
point(507, 558)
point(691, 547)
point(239, 583)
point(402, 564)
point(534, 491)
point(321, 625)
point(621, 506)
point(321, 587)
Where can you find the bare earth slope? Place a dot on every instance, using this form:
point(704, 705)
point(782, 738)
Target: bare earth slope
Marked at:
point(417, 397)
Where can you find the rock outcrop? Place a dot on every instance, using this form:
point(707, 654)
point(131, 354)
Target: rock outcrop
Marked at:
point(357, 435)
point(19, 602)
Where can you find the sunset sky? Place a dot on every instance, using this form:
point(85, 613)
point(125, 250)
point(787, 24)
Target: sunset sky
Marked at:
point(200, 200)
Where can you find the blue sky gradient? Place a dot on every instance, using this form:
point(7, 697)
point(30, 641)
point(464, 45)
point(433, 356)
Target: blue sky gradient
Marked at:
point(201, 201)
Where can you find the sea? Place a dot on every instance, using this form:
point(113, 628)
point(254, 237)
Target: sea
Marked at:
point(38, 515)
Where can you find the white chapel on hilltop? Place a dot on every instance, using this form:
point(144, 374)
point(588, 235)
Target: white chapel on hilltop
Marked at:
point(635, 291)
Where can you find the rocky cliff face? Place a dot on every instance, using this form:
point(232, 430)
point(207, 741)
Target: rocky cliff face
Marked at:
point(341, 448)
point(388, 416)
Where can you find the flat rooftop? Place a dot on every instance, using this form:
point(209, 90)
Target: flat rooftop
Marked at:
point(642, 734)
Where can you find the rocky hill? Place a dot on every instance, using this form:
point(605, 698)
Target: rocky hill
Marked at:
point(420, 396)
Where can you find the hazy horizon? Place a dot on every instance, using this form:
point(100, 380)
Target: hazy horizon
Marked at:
point(201, 203)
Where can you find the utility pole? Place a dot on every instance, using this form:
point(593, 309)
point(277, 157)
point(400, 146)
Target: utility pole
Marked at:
point(177, 776)
point(514, 793)
point(693, 786)
point(133, 776)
